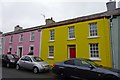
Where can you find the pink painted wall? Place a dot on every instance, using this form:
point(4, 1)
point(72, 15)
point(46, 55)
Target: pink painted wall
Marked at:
point(25, 43)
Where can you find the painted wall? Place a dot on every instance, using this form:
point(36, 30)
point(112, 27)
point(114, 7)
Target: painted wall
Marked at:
point(119, 42)
point(115, 27)
point(25, 43)
point(82, 42)
point(114, 42)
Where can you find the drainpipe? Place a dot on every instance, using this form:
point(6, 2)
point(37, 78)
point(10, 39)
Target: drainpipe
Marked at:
point(111, 41)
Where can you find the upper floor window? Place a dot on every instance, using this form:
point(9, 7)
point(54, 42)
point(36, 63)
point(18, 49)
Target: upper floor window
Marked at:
point(21, 38)
point(71, 32)
point(93, 29)
point(51, 51)
point(32, 36)
point(94, 51)
point(52, 32)
point(11, 39)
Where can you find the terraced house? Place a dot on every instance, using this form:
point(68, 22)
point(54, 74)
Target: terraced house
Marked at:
point(115, 32)
point(94, 37)
point(22, 41)
point(82, 37)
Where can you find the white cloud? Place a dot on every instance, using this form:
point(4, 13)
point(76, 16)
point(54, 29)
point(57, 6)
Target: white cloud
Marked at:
point(0, 18)
point(27, 13)
point(44, 1)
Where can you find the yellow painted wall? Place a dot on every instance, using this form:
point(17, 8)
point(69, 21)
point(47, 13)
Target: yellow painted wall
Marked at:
point(82, 42)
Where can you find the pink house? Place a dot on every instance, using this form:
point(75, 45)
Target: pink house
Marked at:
point(22, 41)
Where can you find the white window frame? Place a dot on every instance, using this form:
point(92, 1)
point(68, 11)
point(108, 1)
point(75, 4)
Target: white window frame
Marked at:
point(11, 39)
point(32, 35)
point(49, 52)
point(93, 30)
point(71, 30)
point(94, 51)
point(20, 36)
point(52, 35)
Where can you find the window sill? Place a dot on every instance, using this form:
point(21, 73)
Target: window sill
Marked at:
point(51, 40)
point(50, 57)
point(31, 40)
point(10, 42)
point(92, 37)
point(95, 59)
point(71, 38)
point(20, 41)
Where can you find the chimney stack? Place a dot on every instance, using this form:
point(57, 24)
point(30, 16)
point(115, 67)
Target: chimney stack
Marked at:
point(49, 21)
point(111, 5)
point(17, 27)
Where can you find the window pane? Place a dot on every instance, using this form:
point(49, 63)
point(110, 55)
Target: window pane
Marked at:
point(71, 32)
point(51, 51)
point(21, 37)
point(32, 36)
point(70, 62)
point(93, 29)
point(11, 38)
point(51, 34)
point(94, 52)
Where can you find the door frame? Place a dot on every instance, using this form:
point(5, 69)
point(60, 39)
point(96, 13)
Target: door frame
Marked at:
point(18, 51)
point(70, 46)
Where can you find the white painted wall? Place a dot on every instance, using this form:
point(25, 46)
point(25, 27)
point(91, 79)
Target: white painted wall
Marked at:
point(119, 4)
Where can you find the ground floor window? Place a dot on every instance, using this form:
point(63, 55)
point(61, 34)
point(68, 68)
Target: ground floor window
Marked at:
point(94, 51)
point(31, 48)
point(51, 52)
point(9, 49)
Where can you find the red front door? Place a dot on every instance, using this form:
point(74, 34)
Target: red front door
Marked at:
point(72, 52)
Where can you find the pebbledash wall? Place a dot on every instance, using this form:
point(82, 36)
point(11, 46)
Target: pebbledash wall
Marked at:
point(23, 41)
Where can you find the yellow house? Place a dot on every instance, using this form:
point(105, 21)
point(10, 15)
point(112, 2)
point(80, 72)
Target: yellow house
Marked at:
point(82, 37)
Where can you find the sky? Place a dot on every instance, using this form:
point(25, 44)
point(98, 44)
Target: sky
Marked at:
point(31, 13)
